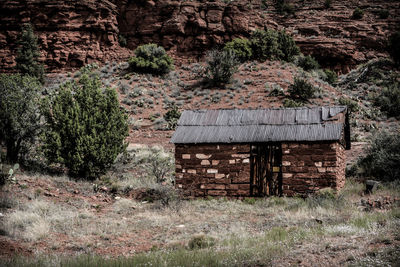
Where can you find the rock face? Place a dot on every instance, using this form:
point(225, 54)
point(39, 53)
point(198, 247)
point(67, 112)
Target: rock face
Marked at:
point(185, 26)
point(73, 33)
point(329, 34)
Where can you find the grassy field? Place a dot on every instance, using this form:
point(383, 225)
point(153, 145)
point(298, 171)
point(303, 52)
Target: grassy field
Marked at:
point(59, 222)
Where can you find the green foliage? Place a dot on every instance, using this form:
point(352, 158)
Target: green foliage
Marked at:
point(327, 3)
point(273, 45)
point(201, 241)
point(301, 89)
point(357, 13)
point(351, 104)
point(308, 63)
point(221, 65)
point(19, 116)
point(264, 4)
point(389, 99)
point(250, 200)
point(331, 76)
point(265, 44)
point(28, 54)
point(151, 58)
point(394, 47)
point(383, 13)
point(287, 46)
point(282, 7)
point(382, 158)
point(171, 117)
point(7, 172)
point(122, 40)
point(290, 103)
point(241, 47)
point(86, 127)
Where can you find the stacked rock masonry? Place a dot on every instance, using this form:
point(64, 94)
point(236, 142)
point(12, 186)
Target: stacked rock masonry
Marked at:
point(224, 169)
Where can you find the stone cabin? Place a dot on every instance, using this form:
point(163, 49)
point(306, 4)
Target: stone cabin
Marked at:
point(261, 152)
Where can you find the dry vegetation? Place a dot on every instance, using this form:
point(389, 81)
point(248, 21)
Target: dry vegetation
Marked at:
point(51, 218)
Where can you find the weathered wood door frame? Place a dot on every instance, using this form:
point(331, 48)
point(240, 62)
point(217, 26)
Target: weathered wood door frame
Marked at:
point(266, 169)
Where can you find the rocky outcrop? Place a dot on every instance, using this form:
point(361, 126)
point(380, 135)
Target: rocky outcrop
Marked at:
point(329, 34)
point(337, 40)
point(185, 26)
point(71, 33)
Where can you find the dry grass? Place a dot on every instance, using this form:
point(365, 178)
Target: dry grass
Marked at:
point(242, 232)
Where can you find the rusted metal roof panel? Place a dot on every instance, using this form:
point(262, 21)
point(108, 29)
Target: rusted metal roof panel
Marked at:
point(226, 117)
point(261, 125)
point(257, 133)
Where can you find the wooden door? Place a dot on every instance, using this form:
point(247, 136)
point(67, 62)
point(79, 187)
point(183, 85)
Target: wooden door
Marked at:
point(266, 169)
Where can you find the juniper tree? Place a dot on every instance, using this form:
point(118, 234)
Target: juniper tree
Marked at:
point(86, 127)
point(19, 116)
point(28, 54)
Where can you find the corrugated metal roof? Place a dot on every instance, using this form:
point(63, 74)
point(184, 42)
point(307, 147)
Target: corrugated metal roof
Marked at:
point(259, 125)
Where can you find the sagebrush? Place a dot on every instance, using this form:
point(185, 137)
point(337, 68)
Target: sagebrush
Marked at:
point(151, 58)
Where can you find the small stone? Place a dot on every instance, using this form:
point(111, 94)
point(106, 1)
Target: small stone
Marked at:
point(117, 198)
point(287, 175)
point(318, 164)
point(212, 171)
point(203, 156)
point(185, 156)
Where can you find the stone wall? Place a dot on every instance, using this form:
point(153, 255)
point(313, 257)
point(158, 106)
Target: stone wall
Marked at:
point(308, 167)
point(224, 169)
point(213, 170)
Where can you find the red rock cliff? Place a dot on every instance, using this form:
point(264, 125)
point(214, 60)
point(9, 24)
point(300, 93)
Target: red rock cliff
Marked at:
point(73, 33)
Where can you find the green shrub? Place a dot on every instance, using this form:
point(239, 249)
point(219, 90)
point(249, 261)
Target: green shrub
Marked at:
point(264, 4)
point(284, 8)
point(241, 47)
point(221, 65)
point(290, 103)
point(201, 241)
point(308, 63)
point(382, 158)
point(28, 54)
point(301, 89)
point(331, 76)
point(357, 13)
point(19, 116)
point(171, 117)
point(7, 172)
point(151, 58)
point(351, 104)
point(265, 45)
point(287, 46)
point(394, 47)
point(389, 99)
point(327, 3)
point(86, 127)
point(383, 13)
point(122, 40)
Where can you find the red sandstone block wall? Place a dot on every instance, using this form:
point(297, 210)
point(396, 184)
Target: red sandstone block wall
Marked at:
point(308, 167)
point(224, 169)
point(213, 170)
